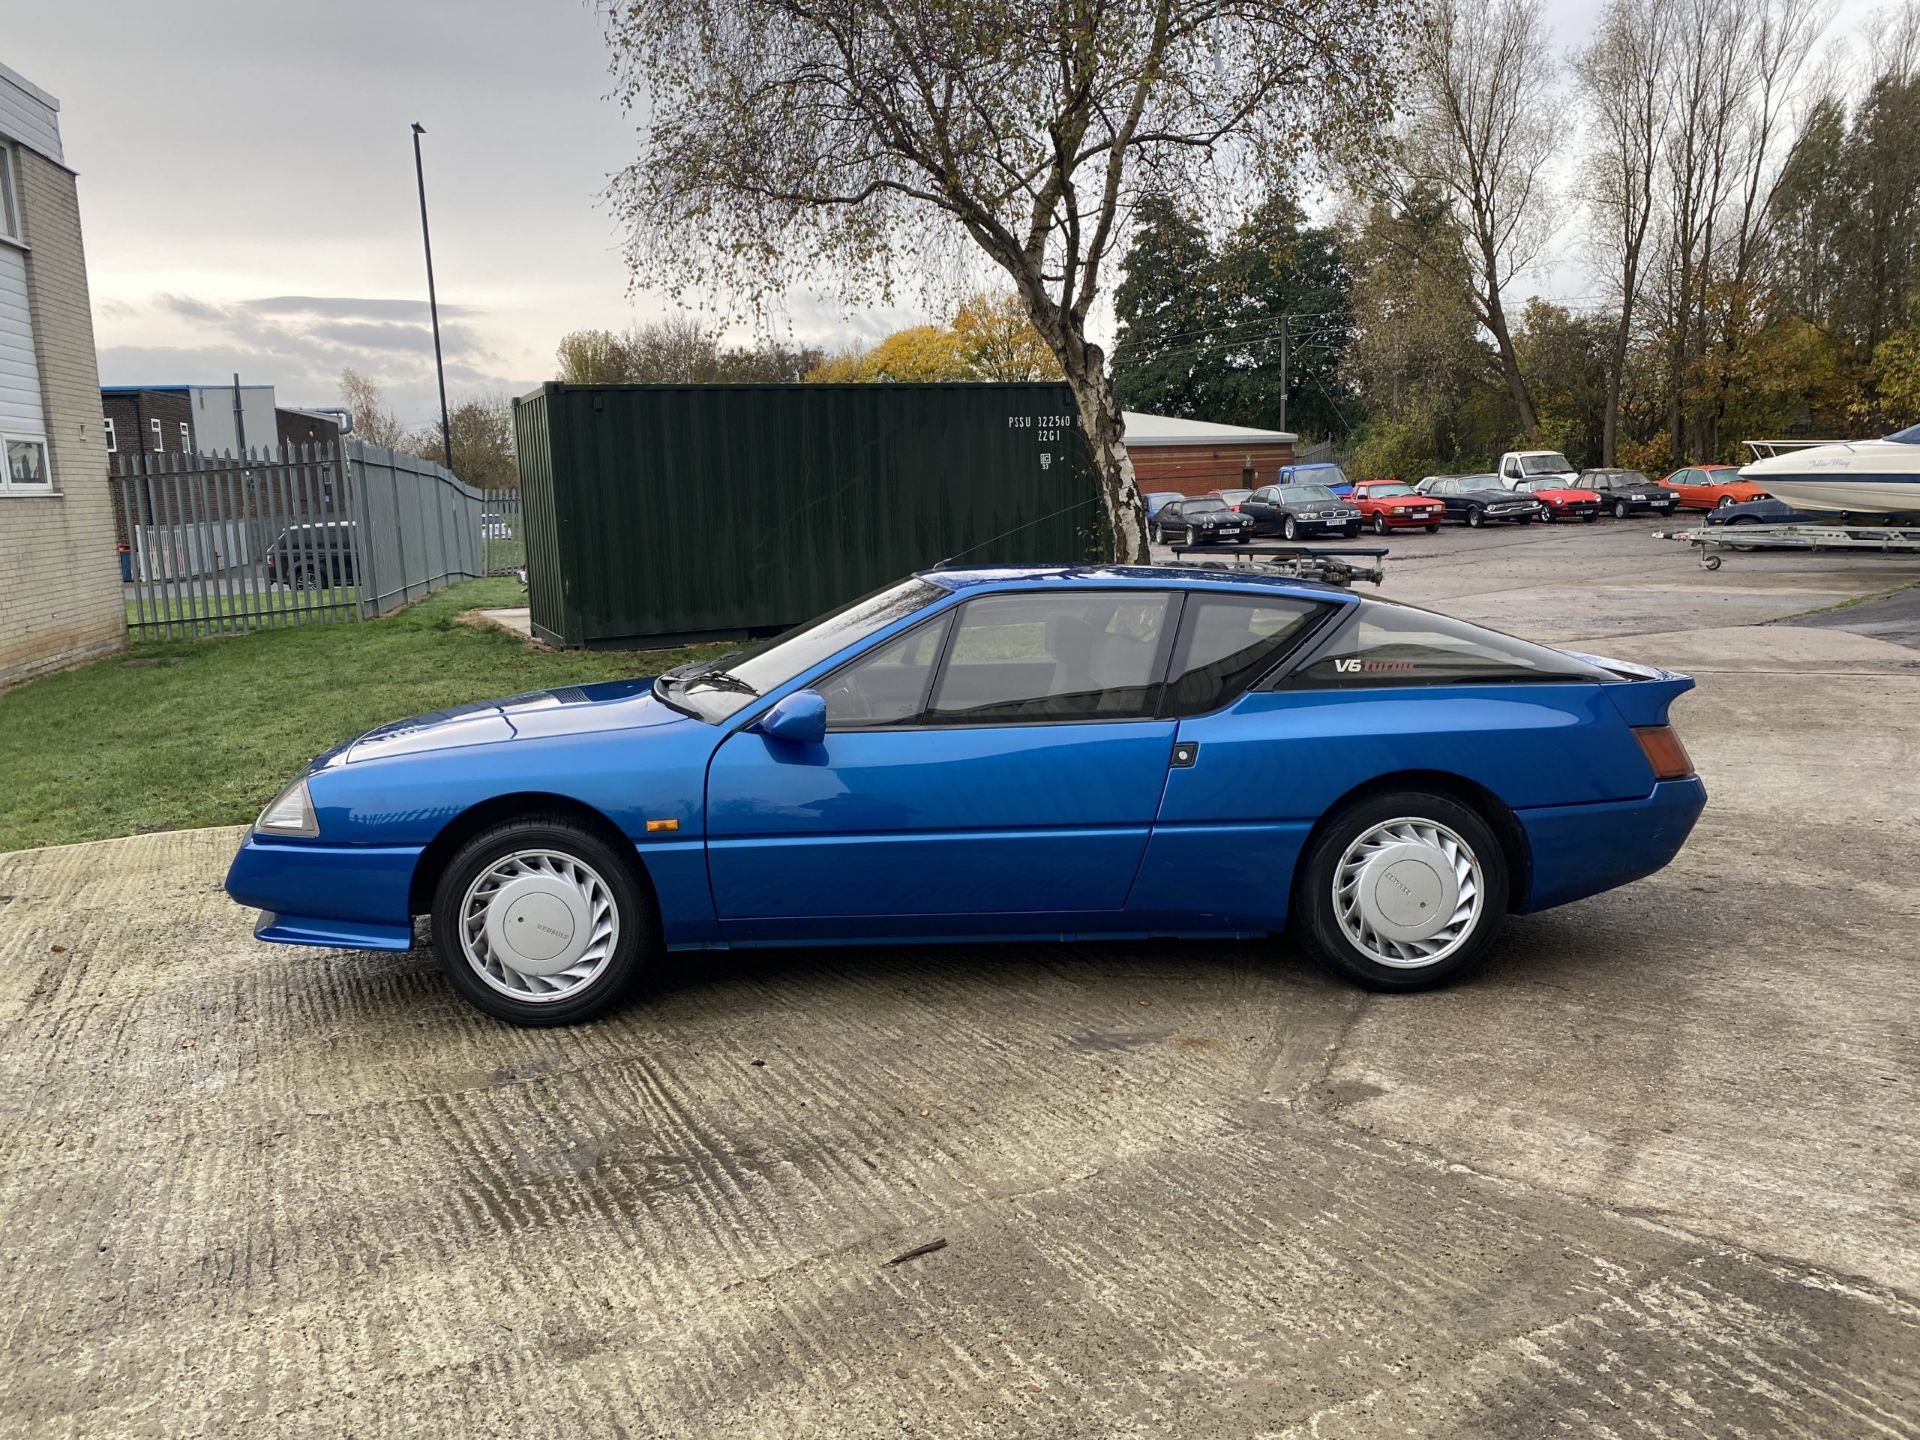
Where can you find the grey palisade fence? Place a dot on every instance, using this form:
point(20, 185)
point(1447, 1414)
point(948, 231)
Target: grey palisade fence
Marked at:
point(312, 534)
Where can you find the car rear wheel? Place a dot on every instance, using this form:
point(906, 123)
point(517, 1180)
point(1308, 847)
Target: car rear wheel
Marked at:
point(540, 922)
point(1402, 891)
point(1159, 536)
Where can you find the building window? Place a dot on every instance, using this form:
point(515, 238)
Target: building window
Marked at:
point(9, 198)
point(159, 438)
point(113, 439)
point(26, 470)
point(186, 438)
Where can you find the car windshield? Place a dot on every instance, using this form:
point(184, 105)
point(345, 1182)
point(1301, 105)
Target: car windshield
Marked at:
point(1380, 492)
point(1234, 497)
point(1202, 506)
point(712, 690)
point(1304, 494)
point(1548, 462)
point(1327, 475)
point(1531, 485)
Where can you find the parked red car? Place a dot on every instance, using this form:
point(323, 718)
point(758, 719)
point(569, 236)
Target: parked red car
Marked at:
point(1563, 501)
point(1389, 505)
point(1705, 487)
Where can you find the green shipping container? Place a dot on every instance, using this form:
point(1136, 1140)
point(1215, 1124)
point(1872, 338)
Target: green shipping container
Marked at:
point(657, 514)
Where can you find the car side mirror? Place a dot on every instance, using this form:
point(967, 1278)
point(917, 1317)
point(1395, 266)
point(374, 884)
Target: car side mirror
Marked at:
point(801, 718)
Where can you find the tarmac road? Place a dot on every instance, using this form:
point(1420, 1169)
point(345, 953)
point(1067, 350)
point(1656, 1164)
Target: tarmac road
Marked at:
point(1653, 1172)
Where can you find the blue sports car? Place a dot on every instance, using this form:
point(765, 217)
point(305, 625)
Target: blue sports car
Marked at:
point(996, 753)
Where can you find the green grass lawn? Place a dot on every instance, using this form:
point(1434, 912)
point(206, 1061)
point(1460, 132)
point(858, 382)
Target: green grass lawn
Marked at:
point(182, 733)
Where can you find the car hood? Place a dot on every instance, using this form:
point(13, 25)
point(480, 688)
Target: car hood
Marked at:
point(565, 710)
point(1493, 497)
point(1404, 502)
point(1565, 494)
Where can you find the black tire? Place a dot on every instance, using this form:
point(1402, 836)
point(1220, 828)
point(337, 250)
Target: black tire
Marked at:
point(1291, 528)
point(637, 941)
point(1434, 529)
point(1159, 536)
point(1315, 922)
point(1621, 510)
point(1588, 519)
point(1526, 519)
point(1379, 523)
point(1476, 517)
point(1352, 532)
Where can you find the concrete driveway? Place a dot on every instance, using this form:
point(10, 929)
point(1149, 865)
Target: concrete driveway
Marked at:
point(1652, 1173)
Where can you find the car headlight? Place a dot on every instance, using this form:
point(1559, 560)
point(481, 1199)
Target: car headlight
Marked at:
point(291, 813)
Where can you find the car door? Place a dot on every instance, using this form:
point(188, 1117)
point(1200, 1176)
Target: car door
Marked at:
point(1510, 475)
point(1263, 507)
point(1016, 773)
point(1447, 492)
point(1173, 529)
point(1686, 485)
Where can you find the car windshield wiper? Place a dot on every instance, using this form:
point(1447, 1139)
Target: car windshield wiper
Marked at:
point(717, 679)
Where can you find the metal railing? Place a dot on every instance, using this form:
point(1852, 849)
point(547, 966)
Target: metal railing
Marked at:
point(308, 535)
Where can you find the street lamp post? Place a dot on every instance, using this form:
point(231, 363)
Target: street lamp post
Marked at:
point(433, 303)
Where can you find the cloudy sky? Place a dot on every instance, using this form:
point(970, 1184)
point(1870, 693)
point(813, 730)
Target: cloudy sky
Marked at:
point(247, 187)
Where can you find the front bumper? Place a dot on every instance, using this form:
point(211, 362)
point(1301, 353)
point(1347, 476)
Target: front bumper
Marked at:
point(1407, 520)
point(354, 897)
point(1581, 850)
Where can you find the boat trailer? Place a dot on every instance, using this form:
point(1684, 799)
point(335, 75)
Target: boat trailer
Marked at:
point(1299, 562)
point(1887, 539)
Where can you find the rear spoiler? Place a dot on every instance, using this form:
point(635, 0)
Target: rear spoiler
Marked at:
point(1644, 691)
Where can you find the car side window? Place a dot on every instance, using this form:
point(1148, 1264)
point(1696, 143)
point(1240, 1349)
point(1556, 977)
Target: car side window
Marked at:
point(888, 685)
point(1068, 655)
point(1227, 642)
point(1400, 645)
point(1170, 510)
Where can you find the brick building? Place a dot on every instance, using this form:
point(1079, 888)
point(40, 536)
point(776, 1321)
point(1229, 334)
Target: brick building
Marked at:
point(149, 421)
point(61, 601)
point(1192, 457)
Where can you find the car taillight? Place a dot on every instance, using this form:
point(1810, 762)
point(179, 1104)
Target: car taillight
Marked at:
point(1664, 751)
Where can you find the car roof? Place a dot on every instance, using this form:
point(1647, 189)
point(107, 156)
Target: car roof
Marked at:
point(1103, 577)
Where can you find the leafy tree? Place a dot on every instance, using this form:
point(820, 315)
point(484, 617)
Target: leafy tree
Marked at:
point(591, 357)
point(1565, 358)
point(1201, 332)
point(1166, 310)
point(863, 136)
point(373, 420)
point(999, 342)
point(1281, 281)
point(481, 432)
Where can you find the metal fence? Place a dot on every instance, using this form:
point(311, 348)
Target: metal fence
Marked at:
point(307, 535)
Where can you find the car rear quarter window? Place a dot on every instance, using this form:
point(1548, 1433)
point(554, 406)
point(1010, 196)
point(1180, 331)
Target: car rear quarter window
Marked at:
point(1065, 655)
point(1228, 642)
point(1399, 645)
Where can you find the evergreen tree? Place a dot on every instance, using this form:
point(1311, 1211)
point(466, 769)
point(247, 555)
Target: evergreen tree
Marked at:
point(1166, 311)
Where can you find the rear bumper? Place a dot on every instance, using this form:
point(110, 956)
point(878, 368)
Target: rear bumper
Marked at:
point(1582, 850)
point(351, 896)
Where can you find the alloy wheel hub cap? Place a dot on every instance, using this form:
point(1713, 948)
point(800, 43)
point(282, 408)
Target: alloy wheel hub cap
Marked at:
point(1408, 892)
point(539, 925)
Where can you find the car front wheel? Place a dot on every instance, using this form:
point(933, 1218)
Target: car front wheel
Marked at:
point(1476, 518)
point(1379, 523)
point(1402, 891)
point(539, 922)
point(1621, 510)
point(1291, 529)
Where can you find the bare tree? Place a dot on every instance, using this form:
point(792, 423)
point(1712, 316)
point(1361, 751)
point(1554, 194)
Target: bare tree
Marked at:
point(1480, 129)
point(782, 138)
point(373, 421)
point(1625, 73)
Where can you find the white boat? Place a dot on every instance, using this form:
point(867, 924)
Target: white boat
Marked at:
point(1849, 477)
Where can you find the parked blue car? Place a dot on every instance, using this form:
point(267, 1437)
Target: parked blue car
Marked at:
point(1154, 499)
point(1315, 472)
point(993, 753)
